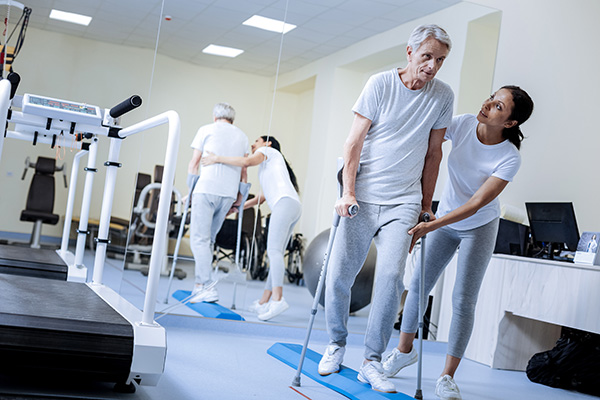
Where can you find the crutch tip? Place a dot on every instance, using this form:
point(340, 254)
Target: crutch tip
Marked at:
point(419, 395)
point(296, 381)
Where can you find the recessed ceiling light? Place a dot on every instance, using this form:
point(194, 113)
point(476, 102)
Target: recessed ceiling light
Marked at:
point(222, 51)
point(268, 24)
point(70, 17)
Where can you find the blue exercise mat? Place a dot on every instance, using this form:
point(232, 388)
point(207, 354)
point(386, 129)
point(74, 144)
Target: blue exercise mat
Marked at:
point(344, 382)
point(209, 310)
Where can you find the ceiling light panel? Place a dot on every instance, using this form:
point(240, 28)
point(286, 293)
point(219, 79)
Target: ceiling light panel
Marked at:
point(222, 51)
point(70, 17)
point(269, 24)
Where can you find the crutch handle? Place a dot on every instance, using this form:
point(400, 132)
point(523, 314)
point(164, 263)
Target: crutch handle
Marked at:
point(426, 217)
point(353, 209)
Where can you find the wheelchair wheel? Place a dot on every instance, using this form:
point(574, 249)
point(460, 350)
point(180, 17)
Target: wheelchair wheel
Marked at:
point(264, 269)
point(295, 258)
point(253, 263)
point(294, 266)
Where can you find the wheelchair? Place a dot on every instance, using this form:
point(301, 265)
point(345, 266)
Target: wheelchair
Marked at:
point(252, 257)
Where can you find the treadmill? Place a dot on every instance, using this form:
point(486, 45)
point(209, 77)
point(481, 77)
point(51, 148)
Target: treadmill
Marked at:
point(25, 261)
point(75, 329)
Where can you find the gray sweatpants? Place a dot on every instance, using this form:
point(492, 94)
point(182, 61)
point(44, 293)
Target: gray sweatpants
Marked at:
point(284, 216)
point(388, 226)
point(208, 213)
point(476, 248)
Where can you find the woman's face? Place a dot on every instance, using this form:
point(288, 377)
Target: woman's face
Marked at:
point(258, 143)
point(496, 110)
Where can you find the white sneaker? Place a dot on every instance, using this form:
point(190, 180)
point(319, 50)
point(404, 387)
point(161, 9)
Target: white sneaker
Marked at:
point(446, 389)
point(372, 373)
point(331, 360)
point(274, 308)
point(204, 294)
point(258, 308)
point(396, 360)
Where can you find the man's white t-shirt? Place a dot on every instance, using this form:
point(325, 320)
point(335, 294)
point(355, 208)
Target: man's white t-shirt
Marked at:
point(223, 139)
point(393, 153)
point(470, 164)
point(274, 177)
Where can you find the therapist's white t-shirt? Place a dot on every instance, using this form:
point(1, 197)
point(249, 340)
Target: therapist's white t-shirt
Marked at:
point(274, 177)
point(223, 139)
point(470, 164)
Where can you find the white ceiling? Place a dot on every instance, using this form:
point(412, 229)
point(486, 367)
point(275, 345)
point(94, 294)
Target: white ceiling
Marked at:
point(323, 26)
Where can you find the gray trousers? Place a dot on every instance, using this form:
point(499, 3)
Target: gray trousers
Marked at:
point(388, 226)
point(476, 248)
point(208, 213)
point(284, 216)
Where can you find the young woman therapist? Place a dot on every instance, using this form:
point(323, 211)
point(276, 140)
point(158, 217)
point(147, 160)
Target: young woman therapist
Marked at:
point(484, 158)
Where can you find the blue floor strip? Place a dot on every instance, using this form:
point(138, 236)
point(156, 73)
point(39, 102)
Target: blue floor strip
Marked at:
point(209, 310)
point(343, 382)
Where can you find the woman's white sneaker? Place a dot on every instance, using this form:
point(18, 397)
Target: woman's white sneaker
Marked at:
point(396, 360)
point(258, 308)
point(274, 308)
point(331, 360)
point(446, 388)
point(372, 373)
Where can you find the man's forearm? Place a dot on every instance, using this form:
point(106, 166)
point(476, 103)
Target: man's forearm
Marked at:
point(429, 179)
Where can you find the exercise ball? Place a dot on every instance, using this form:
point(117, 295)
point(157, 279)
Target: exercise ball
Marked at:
point(360, 294)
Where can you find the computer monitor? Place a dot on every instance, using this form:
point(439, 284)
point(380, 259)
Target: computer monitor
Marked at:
point(512, 238)
point(553, 224)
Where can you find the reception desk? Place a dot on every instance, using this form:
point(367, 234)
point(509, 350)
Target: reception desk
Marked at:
point(522, 305)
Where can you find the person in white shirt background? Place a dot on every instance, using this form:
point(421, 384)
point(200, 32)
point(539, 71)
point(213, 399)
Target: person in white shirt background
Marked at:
point(215, 190)
point(280, 190)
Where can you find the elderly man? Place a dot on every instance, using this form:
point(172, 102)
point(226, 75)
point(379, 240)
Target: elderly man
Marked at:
point(215, 190)
point(399, 123)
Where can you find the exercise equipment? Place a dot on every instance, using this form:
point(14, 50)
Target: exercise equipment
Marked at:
point(419, 392)
point(139, 240)
point(39, 208)
point(78, 271)
point(41, 263)
point(30, 130)
point(9, 53)
point(74, 320)
point(360, 294)
point(344, 382)
point(352, 210)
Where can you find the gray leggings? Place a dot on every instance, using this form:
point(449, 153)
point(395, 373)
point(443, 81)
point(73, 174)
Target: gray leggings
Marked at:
point(476, 248)
point(284, 216)
point(388, 226)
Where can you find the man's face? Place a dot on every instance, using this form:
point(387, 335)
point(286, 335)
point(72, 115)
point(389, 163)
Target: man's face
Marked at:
point(428, 59)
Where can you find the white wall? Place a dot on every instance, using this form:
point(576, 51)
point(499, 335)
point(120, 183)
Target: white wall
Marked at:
point(550, 49)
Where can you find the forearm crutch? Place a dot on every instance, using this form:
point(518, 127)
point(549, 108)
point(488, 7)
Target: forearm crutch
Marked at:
point(352, 210)
point(244, 189)
point(419, 392)
point(179, 236)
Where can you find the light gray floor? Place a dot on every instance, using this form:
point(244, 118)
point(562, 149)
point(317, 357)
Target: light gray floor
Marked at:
point(219, 359)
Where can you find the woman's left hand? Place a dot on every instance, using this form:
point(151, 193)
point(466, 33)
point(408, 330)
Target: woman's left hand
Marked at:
point(208, 158)
point(418, 231)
